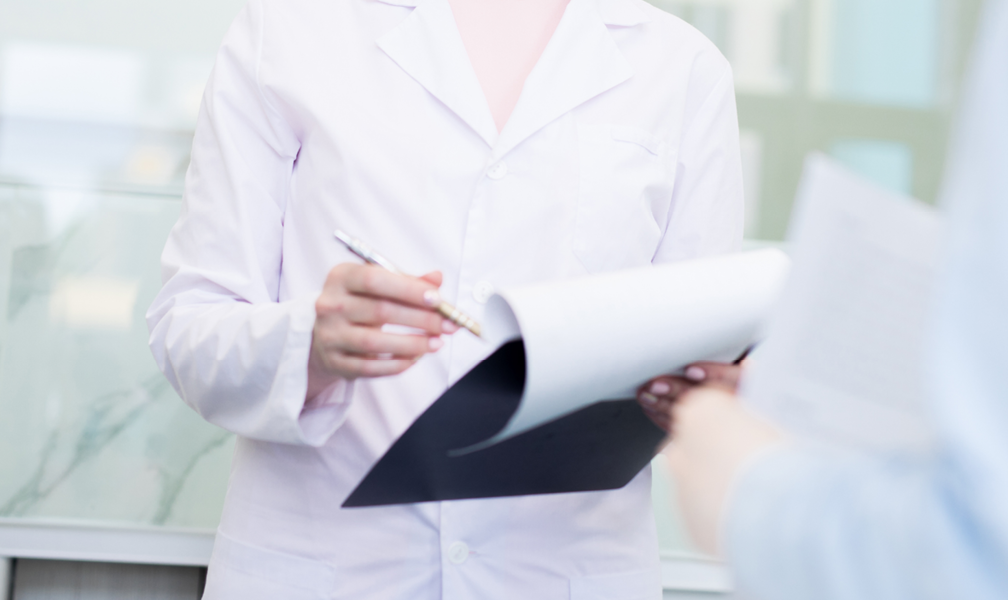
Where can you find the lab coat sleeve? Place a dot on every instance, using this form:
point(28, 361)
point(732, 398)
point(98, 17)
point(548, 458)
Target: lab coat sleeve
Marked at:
point(234, 353)
point(706, 212)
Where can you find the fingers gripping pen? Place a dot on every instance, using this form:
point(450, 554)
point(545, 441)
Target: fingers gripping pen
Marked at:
point(445, 309)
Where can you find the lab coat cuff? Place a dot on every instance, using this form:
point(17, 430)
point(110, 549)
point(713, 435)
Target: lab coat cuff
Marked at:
point(313, 422)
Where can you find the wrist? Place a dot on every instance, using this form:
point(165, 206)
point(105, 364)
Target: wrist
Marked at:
point(319, 377)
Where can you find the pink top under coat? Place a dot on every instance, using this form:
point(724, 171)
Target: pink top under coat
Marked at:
point(504, 40)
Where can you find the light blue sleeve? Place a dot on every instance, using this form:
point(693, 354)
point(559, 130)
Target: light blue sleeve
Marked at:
point(807, 524)
point(804, 523)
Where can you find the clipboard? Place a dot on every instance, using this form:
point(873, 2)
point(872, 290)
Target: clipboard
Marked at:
point(553, 408)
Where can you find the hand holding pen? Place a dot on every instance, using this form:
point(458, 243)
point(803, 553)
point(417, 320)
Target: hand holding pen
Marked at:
point(370, 256)
point(356, 302)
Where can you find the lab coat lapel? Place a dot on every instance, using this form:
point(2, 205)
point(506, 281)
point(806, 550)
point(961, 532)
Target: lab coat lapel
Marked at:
point(427, 45)
point(580, 62)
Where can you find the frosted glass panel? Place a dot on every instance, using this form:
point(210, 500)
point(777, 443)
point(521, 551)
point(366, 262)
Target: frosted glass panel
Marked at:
point(138, 62)
point(882, 51)
point(872, 82)
point(889, 164)
point(91, 430)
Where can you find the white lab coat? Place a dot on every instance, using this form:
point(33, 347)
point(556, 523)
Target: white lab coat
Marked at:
point(366, 115)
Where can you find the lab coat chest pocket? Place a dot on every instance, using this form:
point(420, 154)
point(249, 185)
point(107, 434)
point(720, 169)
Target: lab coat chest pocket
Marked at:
point(625, 187)
point(246, 572)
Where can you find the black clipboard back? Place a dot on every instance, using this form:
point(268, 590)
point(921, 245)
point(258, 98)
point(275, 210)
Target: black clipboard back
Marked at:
point(601, 447)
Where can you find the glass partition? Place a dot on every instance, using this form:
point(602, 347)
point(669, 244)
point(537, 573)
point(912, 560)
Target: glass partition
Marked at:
point(104, 93)
point(871, 82)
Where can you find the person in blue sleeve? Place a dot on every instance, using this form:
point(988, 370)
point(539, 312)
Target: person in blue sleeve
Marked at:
point(795, 524)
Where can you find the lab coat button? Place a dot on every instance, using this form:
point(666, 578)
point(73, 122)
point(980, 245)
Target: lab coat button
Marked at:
point(497, 170)
point(482, 292)
point(458, 553)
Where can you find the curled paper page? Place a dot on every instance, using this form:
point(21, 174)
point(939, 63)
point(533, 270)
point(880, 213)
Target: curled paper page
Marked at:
point(843, 362)
point(600, 337)
point(552, 410)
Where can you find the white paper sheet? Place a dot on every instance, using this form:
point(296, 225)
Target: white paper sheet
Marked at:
point(842, 360)
point(601, 337)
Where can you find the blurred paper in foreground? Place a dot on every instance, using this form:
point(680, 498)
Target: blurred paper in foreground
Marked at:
point(843, 357)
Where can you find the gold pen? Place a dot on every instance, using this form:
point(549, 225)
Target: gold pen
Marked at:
point(370, 256)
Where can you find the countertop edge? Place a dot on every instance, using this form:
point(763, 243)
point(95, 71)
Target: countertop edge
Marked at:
point(46, 540)
point(117, 544)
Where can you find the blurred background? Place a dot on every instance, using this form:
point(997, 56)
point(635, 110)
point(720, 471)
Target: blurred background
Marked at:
point(873, 83)
point(98, 100)
point(103, 94)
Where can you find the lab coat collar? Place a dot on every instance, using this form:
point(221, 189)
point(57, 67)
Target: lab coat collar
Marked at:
point(619, 13)
point(580, 62)
point(427, 45)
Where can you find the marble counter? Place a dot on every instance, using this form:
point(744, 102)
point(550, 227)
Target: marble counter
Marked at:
point(90, 429)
